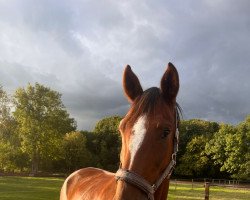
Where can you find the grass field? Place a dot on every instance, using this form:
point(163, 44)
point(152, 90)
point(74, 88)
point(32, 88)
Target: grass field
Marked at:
point(30, 188)
point(183, 191)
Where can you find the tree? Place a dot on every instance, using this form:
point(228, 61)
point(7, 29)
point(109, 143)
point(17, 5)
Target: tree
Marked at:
point(104, 149)
point(217, 145)
point(243, 130)
point(42, 122)
point(11, 157)
point(109, 149)
point(7, 124)
point(105, 143)
point(108, 125)
point(195, 127)
point(230, 149)
point(192, 159)
point(76, 154)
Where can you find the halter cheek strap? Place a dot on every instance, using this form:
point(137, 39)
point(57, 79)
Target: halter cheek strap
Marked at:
point(139, 182)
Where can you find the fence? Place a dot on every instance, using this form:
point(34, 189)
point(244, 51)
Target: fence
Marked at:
point(208, 189)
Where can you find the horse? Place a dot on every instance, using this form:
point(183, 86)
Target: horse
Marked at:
point(149, 133)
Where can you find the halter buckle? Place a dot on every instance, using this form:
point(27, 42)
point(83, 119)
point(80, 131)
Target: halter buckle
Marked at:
point(174, 156)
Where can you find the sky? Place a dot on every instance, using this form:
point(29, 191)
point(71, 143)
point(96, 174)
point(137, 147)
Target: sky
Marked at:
point(80, 48)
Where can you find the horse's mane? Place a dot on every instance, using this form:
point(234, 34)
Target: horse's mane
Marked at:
point(146, 104)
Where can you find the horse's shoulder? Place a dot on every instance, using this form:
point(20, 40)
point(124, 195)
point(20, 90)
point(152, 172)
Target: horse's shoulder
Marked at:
point(86, 178)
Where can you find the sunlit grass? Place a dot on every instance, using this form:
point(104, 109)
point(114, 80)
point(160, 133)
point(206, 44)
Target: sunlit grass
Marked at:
point(32, 188)
point(181, 191)
point(29, 188)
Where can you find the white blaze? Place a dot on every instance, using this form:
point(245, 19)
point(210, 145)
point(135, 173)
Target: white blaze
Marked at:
point(137, 137)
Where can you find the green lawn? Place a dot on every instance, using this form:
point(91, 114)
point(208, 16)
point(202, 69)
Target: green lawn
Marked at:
point(182, 191)
point(31, 188)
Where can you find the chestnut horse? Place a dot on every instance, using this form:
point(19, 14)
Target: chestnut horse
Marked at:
point(149, 145)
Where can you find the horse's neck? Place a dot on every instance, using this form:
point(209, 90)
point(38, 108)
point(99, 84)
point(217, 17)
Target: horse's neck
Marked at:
point(162, 192)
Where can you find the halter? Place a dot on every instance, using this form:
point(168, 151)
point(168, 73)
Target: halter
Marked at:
point(141, 183)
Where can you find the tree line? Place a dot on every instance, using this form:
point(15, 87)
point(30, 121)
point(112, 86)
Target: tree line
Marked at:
point(37, 135)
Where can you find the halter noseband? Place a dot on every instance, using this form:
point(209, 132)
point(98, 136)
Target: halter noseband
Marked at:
point(141, 183)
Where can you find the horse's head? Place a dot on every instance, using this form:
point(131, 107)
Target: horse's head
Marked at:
point(148, 131)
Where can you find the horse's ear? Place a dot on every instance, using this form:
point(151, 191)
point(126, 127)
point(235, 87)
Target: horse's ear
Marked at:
point(170, 83)
point(131, 85)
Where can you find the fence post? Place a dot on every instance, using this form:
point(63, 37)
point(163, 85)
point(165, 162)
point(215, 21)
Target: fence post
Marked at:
point(192, 183)
point(207, 191)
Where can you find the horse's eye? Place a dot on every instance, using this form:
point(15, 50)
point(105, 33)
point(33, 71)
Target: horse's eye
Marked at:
point(165, 133)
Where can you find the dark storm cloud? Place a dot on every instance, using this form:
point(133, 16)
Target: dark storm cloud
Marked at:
point(79, 48)
point(215, 52)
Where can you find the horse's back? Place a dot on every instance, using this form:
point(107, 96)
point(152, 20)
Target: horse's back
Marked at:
point(89, 183)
